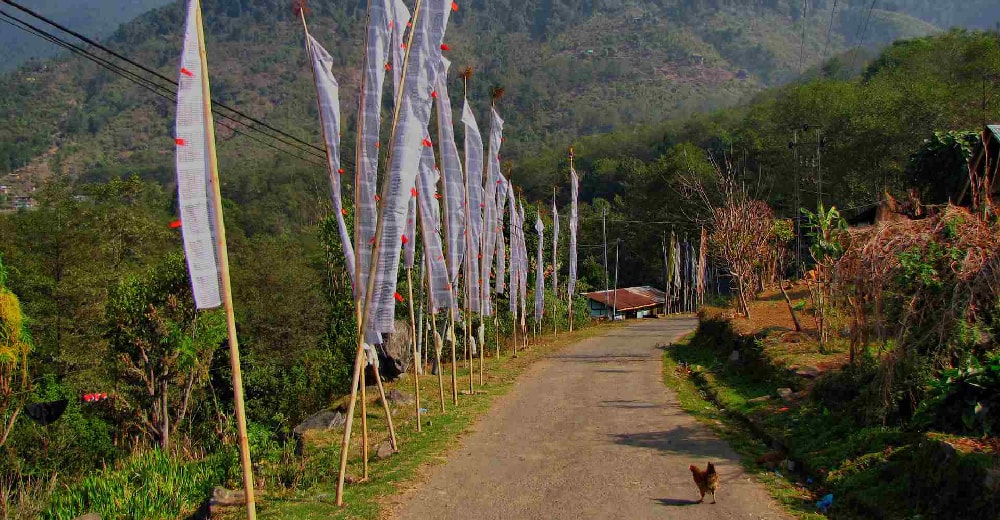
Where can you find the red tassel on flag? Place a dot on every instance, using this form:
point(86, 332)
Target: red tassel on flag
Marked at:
point(428, 143)
point(454, 6)
point(405, 240)
point(388, 66)
point(445, 47)
point(179, 142)
point(434, 94)
point(186, 72)
point(175, 224)
point(378, 199)
point(340, 171)
point(437, 196)
point(413, 191)
point(344, 211)
point(397, 297)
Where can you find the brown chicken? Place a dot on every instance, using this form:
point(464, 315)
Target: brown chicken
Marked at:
point(707, 481)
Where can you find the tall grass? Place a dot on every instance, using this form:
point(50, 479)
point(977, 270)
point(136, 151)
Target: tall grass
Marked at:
point(150, 485)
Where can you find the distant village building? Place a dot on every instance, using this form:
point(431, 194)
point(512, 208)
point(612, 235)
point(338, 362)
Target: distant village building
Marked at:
point(630, 303)
point(24, 202)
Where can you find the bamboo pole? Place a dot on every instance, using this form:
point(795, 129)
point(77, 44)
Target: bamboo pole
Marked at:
point(364, 403)
point(482, 343)
point(470, 357)
point(555, 264)
point(358, 303)
point(364, 423)
point(513, 323)
point(416, 355)
point(363, 310)
point(468, 254)
point(226, 287)
point(437, 359)
point(569, 295)
point(454, 360)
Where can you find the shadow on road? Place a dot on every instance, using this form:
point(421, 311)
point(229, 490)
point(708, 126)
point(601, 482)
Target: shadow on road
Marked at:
point(601, 358)
point(699, 443)
point(620, 403)
point(676, 502)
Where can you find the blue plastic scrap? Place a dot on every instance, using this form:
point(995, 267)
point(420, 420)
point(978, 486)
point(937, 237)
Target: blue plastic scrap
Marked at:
point(825, 503)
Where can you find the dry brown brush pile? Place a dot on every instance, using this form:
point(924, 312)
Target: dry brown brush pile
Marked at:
point(922, 297)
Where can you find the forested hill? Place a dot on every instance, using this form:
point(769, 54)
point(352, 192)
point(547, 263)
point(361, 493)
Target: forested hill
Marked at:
point(569, 68)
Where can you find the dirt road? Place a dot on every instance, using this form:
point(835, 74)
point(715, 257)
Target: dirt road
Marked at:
point(590, 432)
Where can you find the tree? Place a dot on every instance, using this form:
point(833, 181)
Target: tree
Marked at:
point(825, 250)
point(15, 344)
point(162, 345)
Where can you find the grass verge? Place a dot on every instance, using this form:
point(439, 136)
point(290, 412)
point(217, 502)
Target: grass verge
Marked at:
point(795, 498)
point(873, 472)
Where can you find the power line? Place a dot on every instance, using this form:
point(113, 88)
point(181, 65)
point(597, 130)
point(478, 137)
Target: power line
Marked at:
point(860, 36)
point(156, 89)
point(829, 29)
point(155, 73)
point(169, 93)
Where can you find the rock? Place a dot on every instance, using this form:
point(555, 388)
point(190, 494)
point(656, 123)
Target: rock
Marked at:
point(223, 498)
point(397, 397)
point(784, 393)
point(761, 399)
point(807, 372)
point(384, 450)
point(790, 465)
point(322, 421)
point(734, 357)
point(89, 516)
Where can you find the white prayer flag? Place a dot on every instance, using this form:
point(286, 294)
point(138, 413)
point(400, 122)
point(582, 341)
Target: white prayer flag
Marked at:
point(194, 187)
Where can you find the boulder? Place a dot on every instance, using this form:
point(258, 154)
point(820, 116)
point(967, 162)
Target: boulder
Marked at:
point(225, 499)
point(322, 421)
point(384, 450)
point(807, 372)
point(784, 393)
point(396, 397)
point(761, 399)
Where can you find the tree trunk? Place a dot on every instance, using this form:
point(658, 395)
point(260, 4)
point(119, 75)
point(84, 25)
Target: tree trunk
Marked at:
point(795, 319)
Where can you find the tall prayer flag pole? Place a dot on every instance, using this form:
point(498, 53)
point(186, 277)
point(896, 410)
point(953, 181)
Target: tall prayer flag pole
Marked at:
point(196, 165)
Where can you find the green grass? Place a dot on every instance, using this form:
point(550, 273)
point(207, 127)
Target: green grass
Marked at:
point(873, 472)
point(390, 476)
point(694, 400)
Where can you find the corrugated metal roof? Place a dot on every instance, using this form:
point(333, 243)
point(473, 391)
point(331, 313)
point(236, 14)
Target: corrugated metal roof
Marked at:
point(995, 130)
point(630, 298)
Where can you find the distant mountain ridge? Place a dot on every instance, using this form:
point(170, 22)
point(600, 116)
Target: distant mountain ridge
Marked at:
point(570, 68)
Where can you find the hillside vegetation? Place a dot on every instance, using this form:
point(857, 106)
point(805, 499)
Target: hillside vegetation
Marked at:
point(569, 70)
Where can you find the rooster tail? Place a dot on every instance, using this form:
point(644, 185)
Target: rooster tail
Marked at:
point(711, 469)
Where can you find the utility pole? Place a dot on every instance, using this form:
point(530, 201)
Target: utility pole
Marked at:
point(820, 141)
point(604, 227)
point(794, 145)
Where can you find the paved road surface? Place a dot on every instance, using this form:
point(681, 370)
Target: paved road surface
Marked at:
point(589, 432)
